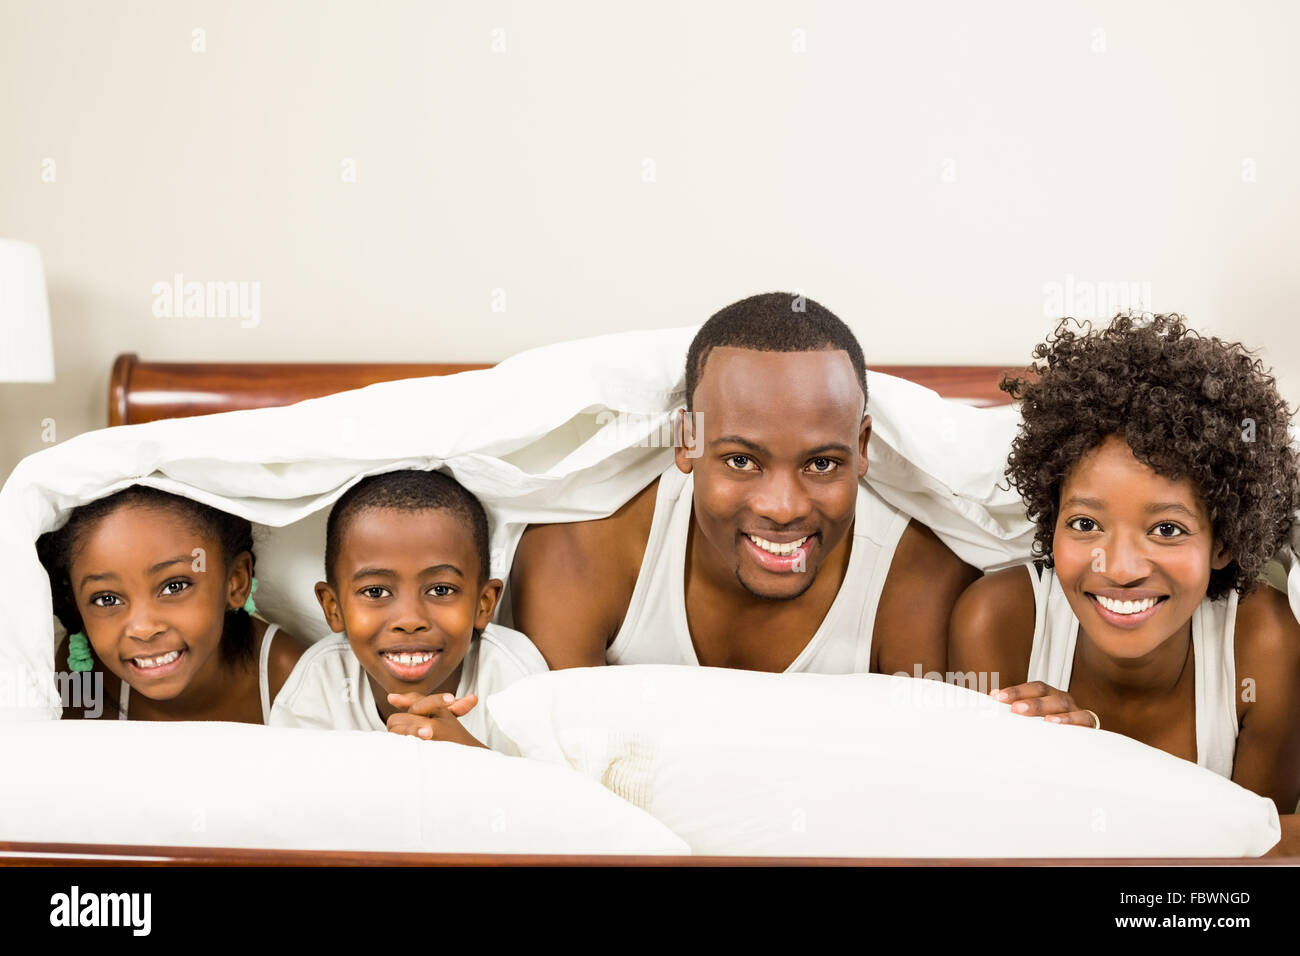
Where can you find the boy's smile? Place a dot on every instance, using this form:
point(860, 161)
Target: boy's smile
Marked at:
point(407, 594)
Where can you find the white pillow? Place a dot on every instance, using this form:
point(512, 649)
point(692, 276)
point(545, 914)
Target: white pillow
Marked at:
point(738, 762)
point(240, 785)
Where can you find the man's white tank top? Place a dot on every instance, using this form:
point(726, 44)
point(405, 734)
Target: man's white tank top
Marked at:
point(1056, 631)
point(655, 631)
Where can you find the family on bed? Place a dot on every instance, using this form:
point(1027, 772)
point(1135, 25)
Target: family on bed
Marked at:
point(1155, 462)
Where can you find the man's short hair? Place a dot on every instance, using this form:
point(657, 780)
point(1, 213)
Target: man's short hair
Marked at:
point(773, 322)
point(408, 491)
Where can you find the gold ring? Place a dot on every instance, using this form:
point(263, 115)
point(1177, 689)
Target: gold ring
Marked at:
point(1096, 721)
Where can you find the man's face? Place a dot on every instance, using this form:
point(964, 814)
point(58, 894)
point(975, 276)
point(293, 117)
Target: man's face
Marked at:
point(781, 442)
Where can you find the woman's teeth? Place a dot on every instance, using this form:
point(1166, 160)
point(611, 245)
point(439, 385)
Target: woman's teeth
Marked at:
point(410, 660)
point(790, 547)
point(148, 663)
point(1126, 607)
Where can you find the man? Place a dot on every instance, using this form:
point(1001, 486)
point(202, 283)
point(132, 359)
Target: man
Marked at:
point(759, 547)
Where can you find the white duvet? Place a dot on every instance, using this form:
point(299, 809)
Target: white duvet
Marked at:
point(561, 433)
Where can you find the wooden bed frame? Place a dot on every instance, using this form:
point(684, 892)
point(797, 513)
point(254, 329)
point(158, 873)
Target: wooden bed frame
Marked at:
point(147, 391)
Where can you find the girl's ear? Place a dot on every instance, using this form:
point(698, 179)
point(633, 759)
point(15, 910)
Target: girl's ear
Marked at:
point(864, 436)
point(239, 580)
point(1219, 556)
point(329, 603)
point(487, 603)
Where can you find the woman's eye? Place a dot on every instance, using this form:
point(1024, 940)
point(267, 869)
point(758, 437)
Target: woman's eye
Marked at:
point(1082, 524)
point(739, 462)
point(442, 590)
point(374, 592)
point(175, 587)
point(1167, 529)
point(824, 466)
point(105, 600)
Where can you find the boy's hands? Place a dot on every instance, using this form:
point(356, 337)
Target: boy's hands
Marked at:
point(1036, 699)
point(435, 717)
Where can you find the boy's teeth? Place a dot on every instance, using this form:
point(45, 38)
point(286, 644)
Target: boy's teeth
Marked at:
point(150, 662)
point(410, 660)
point(1125, 607)
point(772, 547)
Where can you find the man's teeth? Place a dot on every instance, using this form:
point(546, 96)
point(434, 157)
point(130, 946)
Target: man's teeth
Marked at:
point(772, 547)
point(1125, 607)
point(411, 660)
point(146, 663)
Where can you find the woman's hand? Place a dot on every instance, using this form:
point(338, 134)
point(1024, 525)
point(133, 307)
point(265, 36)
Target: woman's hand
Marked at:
point(1036, 699)
point(435, 717)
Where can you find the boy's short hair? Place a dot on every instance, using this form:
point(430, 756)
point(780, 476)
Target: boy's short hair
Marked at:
point(408, 491)
point(1189, 406)
point(773, 322)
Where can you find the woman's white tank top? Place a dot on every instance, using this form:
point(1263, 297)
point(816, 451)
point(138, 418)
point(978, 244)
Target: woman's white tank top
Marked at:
point(655, 630)
point(264, 683)
point(1056, 631)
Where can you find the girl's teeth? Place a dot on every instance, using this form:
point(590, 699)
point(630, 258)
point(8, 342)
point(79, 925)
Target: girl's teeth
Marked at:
point(773, 548)
point(410, 660)
point(147, 663)
point(1126, 607)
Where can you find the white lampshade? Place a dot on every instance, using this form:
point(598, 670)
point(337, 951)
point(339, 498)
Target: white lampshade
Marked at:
point(26, 351)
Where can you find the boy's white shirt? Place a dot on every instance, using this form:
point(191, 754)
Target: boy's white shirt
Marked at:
point(328, 689)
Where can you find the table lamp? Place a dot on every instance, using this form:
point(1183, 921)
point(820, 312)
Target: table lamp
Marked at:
point(26, 350)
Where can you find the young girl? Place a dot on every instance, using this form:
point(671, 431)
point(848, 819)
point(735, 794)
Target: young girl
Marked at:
point(155, 592)
point(1158, 468)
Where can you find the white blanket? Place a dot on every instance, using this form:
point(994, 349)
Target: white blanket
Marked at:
point(561, 433)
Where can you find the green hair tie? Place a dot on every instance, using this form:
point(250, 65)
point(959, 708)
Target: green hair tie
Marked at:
point(249, 606)
point(79, 658)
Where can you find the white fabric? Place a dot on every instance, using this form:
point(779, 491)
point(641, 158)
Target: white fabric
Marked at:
point(1056, 632)
point(748, 763)
point(328, 689)
point(655, 629)
point(561, 433)
point(263, 680)
point(224, 784)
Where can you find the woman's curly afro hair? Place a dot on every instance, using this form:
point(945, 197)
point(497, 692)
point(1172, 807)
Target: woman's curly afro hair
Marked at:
point(1189, 406)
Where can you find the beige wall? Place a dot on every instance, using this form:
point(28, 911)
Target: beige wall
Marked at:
point(926, 170)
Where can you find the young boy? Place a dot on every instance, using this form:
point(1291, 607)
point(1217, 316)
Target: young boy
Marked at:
point(409, 598)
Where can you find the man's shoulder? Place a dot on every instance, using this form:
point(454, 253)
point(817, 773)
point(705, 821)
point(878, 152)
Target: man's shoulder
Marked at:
point(608, 543)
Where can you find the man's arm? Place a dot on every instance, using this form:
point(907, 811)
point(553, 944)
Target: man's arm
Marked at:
point(571, 583)
point(924, 581)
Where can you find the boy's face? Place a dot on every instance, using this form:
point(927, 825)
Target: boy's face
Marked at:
point(1133, 551)
point(407, 593)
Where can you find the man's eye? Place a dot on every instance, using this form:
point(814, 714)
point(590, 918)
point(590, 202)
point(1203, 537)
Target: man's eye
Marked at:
point(1082, 524)
point(374, 592)
point(105, 600)
point(442, 590)
point(824, 466)
point(739, 462)
point(1167, 529)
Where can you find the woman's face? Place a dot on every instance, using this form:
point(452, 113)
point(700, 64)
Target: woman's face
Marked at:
point(153, 591)
point(1133, 551)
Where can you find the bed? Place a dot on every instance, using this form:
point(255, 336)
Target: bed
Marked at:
point(142, 391)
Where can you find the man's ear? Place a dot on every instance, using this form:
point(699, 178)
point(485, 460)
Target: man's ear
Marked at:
point(1220, 558)
point(689, 434)
point(487, 603)
point(239, 581)
point(864, 436)
point(329, 603)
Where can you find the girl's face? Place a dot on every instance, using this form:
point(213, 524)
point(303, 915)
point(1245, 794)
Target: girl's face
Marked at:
point(153, 591)
point(1133, 551)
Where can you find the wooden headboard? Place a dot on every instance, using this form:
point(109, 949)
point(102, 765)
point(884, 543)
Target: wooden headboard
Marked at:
point(146, 391)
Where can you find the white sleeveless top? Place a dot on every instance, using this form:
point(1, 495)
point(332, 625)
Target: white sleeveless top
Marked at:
point(655, 630)
point(1056, 631)
point(124, 689)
